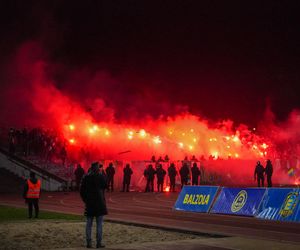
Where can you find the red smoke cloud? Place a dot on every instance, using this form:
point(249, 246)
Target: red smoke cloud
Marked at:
point(89, 111)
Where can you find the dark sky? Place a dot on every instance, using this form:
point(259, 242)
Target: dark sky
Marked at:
point(223, 59)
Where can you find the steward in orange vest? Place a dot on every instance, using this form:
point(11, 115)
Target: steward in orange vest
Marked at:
point(31, 194)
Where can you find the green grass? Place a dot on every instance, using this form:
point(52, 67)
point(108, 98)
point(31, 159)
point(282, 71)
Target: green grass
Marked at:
point(14, 214)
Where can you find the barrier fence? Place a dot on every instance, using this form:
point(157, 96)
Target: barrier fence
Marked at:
point(238, 201)
point(280, 204)
point(196, 199)
point(263, 203)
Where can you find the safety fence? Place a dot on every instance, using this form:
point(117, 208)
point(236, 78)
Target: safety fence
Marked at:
point(264, 203)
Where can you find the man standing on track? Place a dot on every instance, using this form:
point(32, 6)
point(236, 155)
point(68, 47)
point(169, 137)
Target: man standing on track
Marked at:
point(110, 173)
point(184, 174)
point(259, 174)
point(172, 172)
point(195, 174)
point(160, 173)
point(31, 194)
point(79, 173)
point(149, 175)
point(269, 172)
point(92, 193)
point(127, 177)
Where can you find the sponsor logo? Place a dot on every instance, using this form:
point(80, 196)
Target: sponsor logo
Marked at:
point(239, 201)
point(196, 199)
point(289, 204)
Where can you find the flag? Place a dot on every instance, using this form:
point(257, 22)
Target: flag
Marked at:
point(291, 172)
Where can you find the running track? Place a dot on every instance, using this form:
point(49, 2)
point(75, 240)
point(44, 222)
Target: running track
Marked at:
point(155, 209)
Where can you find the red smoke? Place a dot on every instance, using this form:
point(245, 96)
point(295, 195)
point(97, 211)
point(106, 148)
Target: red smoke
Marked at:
point(77, 107)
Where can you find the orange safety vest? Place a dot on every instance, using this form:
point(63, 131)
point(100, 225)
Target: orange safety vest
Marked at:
point(33, 190)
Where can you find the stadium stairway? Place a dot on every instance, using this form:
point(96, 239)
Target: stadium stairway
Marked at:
point(21, 169)
point(10, 183)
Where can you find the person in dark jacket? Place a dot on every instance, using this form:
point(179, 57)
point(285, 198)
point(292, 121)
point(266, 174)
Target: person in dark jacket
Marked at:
point(127, 177)
point(184, 174)
point(269, 172)
point(92, 194)
point(259, 174)
point(160, 173)
point(172, 172)
point(79, 173)
point(110, 173)
point(195, 174)
point(31, 194)
point(149, 174)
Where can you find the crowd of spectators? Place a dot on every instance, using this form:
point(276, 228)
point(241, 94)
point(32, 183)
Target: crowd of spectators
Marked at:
point(45, 144)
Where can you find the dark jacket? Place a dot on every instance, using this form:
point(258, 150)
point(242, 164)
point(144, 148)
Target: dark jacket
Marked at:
point(149, 173)
point(195, 172)
point(184, 172)
point(269, 169)
point(25, 189)
point(259, 171)
point(79, 173)
point(127, 173)
point(110, 172)
point(92, 193)
point(172, 171)
point(160, 172)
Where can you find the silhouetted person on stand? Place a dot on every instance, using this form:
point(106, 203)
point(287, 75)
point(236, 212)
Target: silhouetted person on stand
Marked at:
point(269, 172)
point(259, 174)
point(167, 158)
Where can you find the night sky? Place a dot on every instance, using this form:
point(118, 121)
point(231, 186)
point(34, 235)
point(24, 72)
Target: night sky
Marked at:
point(221, 59)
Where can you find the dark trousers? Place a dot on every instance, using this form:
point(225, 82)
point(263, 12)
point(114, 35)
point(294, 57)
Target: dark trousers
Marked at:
point(78, 181)
point(195, 181)
point(110, 183)
point(126, 185)
point(150, 185)
point(88, 229)
point(184, 181)
point(172, 184)
point(269, 180)
point(33, 203)
point(160, 186)
point(260, 181)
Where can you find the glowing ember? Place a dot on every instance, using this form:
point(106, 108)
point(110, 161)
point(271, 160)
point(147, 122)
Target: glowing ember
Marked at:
point(72, 141)
point(130, 135)
point(142, 133)
point(71, 127)
point(235, 139)
point(157, 140)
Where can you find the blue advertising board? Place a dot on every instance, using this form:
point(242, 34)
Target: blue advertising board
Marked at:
point(196, 198)
point(238, 201)
point(280, 204)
